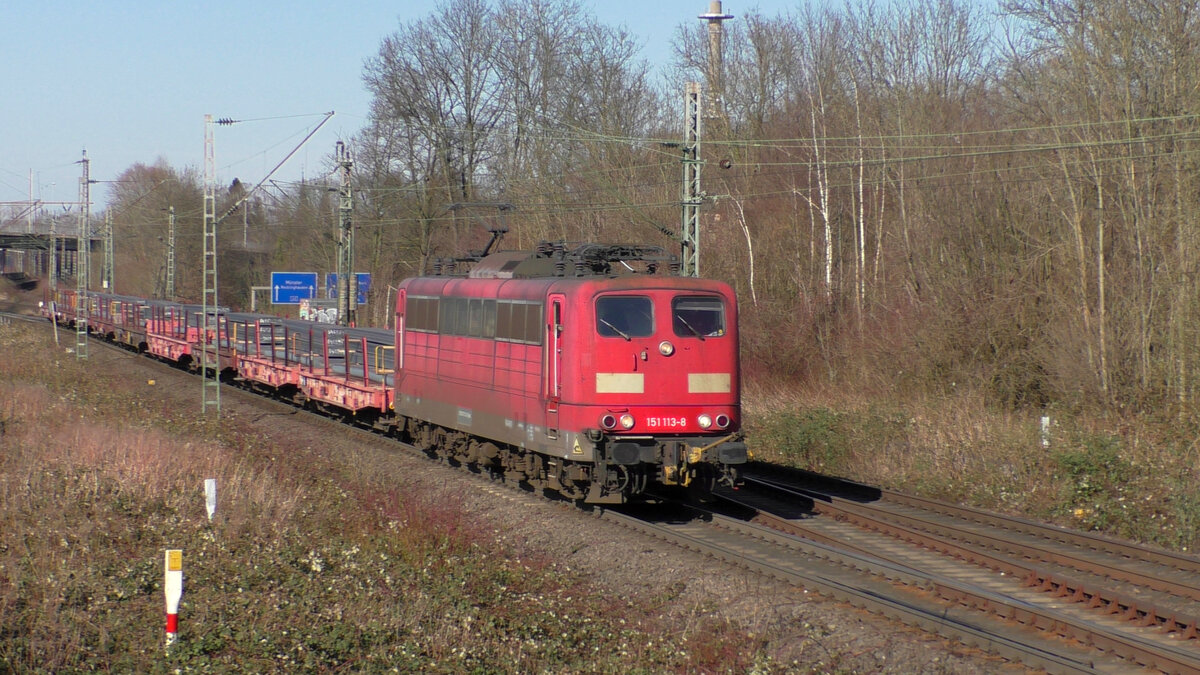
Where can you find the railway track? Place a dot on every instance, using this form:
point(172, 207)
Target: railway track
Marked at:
point(1047, 597)
point(1135, 603)
point(9, 317)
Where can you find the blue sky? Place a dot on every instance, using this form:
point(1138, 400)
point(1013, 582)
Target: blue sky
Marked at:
point(131, 81)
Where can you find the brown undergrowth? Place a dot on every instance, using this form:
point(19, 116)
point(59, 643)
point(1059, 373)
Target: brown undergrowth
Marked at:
point(311, 564)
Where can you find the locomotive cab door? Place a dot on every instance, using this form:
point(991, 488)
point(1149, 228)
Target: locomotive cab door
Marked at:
point(400, 315)
point(553, 370)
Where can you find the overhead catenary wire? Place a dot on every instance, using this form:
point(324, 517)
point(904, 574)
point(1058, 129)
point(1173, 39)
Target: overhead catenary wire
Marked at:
point(914, 182)
point(564, 202)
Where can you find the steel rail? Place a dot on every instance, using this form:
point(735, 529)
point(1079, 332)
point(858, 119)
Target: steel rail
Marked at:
point(1087, 540)
point(1128, 609)
point(821, 565)
point(939, 535)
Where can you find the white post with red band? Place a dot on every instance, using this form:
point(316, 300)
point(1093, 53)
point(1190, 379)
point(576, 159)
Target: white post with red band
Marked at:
point(173, 585)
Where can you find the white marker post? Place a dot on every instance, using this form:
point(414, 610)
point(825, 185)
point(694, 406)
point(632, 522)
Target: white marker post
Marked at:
point(210, 496)
point(173, 586)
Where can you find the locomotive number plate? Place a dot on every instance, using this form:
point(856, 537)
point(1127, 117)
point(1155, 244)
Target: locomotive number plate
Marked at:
point(666, 422)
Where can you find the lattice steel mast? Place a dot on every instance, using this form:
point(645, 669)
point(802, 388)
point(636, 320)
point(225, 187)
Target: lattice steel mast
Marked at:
point(347, 306)
point(82, 248)
point(171, 253)
point(106, 272)
point(53, 258)
point(692, 195)
point(210, 358)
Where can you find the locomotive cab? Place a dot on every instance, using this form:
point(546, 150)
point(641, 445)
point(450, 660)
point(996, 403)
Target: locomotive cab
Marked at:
point(657, 382)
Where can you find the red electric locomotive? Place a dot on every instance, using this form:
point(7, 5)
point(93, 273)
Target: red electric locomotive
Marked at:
point(589, 371)
point(596, 371)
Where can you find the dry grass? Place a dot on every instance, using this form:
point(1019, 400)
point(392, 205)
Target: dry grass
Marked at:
point(312, 564)
point(1133, 478)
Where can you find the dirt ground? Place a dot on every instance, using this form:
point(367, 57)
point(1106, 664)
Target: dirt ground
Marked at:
point(802, 632)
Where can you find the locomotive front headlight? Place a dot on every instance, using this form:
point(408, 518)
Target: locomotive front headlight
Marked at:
point(705, 421)
point(626, 421)
point(666, 348)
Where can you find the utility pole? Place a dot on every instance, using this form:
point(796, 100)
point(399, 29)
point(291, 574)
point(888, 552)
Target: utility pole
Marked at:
point(106, 273)
point(714, 110)
point(347, 308)
point(210, 359)
point(171, 253)
point(83, 245)
point(692, 195)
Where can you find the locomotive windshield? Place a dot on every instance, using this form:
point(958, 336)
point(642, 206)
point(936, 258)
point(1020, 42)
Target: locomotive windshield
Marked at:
point(624, 316)
point(698, 316)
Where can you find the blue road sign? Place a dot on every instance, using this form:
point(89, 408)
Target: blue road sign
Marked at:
point(364, 286)
point(289, 288)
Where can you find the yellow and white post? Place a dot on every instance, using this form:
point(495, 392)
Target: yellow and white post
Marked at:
point(173, 585)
